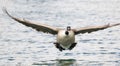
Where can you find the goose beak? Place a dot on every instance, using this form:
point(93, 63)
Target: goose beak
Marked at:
point(68, 28)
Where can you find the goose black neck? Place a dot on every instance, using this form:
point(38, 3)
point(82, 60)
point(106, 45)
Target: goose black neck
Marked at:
point(66, 32)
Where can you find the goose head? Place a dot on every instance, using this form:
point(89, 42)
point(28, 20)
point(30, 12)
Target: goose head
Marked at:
point(67, 30)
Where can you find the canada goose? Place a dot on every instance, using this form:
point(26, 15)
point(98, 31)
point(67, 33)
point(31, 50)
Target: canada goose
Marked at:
point(65, 37)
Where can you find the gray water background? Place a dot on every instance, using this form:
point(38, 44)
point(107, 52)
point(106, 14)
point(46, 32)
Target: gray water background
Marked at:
point(23, 46)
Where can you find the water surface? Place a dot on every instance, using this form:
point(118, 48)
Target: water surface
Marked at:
point(23, 46)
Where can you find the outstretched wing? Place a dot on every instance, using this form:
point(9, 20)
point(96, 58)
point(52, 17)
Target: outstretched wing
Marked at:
point(38, 26)
point(93, 28)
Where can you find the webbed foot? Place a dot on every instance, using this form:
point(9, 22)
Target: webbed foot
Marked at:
point(72, 46)
point(57, 45)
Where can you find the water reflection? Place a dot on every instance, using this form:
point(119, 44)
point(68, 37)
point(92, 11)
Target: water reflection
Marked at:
point(66, 62)
point(58, 62)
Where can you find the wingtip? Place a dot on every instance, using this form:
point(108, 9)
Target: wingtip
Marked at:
point(115, 24)
point(5, 11)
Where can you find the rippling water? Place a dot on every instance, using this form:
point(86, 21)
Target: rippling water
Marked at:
point(23, 46)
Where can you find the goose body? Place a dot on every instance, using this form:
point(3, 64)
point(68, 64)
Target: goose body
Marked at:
point(65, 37)
point(64, 40)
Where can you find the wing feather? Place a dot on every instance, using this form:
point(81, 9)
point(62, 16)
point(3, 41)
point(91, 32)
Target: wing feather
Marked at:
point(93, 28)
point(38, 26)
